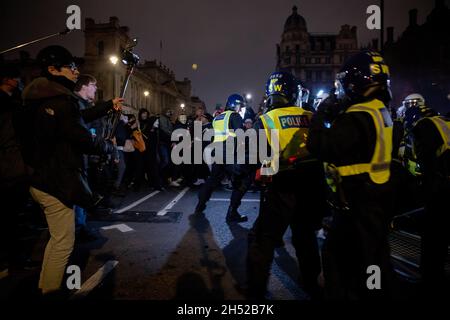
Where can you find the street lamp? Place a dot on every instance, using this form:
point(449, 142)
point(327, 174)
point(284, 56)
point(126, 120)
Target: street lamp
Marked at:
point(146, 93)
point(248, 96)
point(182, 106)
point(113, 59)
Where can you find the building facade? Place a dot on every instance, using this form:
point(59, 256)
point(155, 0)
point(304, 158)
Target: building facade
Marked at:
point(313, 58)
point(152, 85)
point(419, 59)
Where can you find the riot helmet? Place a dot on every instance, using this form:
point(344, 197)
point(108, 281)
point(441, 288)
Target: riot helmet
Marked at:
point(282, 90)
point(363, 77)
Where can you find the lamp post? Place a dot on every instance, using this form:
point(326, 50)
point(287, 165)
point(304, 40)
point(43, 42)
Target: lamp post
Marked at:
point(146, 94)
point(114, 60)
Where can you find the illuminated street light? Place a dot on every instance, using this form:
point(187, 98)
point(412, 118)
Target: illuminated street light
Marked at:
point(248, 96)
point(113, 59)
point(194, 66)
point(146, 93)
point(182, 106)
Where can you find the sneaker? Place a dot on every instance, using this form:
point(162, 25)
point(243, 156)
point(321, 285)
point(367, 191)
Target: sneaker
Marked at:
point(174, 184)
point(199, 182)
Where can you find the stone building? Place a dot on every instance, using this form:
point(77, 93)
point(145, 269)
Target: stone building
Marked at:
point(152, 86)
point(313, 58)
point(419, 59)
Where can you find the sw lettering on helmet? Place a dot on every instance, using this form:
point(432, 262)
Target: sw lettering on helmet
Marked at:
point(377, 58)
point(278, 87)
point(376, 68)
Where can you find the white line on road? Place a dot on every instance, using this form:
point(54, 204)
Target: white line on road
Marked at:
point(121, 227)
point(227, 200)
point(94, 280)
point(173, 202)
point(134, 204)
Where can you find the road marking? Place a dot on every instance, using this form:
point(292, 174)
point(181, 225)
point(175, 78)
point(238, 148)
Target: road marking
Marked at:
point(228, 200)
point(94, 280)
point(121, 227)
point(405, 261)
point(173, 202)
point(134, 204)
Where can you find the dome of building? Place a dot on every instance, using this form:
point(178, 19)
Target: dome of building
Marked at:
point(295, 21)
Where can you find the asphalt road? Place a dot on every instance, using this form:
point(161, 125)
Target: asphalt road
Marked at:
point(171, 255)
point(156, 249)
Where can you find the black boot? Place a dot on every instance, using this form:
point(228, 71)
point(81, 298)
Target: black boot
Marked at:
point(234, 216)
point(200, 208)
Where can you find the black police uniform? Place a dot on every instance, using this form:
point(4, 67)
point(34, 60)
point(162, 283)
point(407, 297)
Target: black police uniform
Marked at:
point(436, 188)
point(240, 176)
point(293, 198)
point(359, 233)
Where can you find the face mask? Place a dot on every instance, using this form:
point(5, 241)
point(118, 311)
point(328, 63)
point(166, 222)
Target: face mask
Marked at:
point(182, 119)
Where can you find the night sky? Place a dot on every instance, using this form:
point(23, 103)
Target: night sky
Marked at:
point(232, 41)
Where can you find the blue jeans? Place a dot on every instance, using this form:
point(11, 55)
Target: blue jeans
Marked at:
point(80, 217)
point(164, 154)
point(121, 167)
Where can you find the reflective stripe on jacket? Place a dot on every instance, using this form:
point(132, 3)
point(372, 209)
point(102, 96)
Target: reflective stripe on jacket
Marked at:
point(221, 125)
point(379, 166)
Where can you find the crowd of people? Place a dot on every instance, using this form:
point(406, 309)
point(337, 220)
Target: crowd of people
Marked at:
point(342, 158)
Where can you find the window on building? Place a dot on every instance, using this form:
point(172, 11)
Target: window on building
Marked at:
point(308, 75)
point(298, 59)
point(101, 48)
point(327, 60)
point(319, 75)
point(288, 49)
point(328, 75)
point(287, 60)
point(307, 60)
point(297, 48)
point(317, 60)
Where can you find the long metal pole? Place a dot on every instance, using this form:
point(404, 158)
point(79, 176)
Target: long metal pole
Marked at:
point(37, 40)
point(382, 26)
point(116, 116)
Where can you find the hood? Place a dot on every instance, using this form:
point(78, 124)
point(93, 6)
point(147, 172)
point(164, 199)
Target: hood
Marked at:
point(42, 87)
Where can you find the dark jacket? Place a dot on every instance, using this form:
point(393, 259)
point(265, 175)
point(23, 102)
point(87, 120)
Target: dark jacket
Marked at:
point(165, 130)
point(12, 167)
point(94, 116)
point(59, 140)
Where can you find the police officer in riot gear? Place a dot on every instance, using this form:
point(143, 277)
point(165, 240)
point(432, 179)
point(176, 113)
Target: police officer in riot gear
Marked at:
point(293, 189)
point(430, 136)
point(225, 125)
point(416, 103)
point(357, 148)
point(410, 101)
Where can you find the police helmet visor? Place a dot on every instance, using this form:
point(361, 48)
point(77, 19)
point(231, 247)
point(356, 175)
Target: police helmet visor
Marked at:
point(411, 103)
